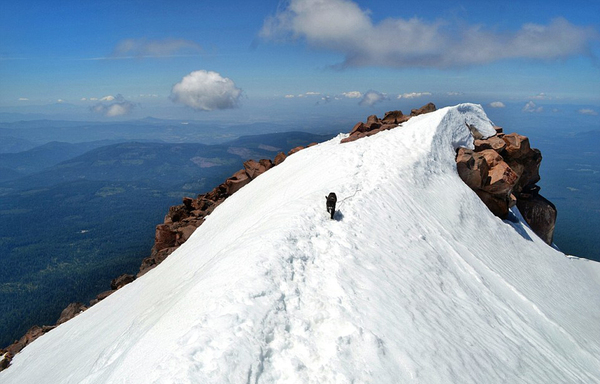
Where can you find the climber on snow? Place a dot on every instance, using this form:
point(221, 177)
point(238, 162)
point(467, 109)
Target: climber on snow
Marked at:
point(331, 200)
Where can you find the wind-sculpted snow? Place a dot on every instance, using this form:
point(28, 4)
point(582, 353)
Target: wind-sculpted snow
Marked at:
point(414, 280)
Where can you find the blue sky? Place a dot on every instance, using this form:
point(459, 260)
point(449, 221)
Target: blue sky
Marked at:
point(183, 59)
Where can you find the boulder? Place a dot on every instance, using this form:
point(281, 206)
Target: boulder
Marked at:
point(121, 281)
point(472, 168)
point(279, 158)
point(255, 168)
point(70, 312)
point(294, 150)
point(164, 237)
point(493, 142)
point(517, 146)
point(236, 182)
point(502, 180)
point(394, 117)
point(539, 213)
point(429, 107)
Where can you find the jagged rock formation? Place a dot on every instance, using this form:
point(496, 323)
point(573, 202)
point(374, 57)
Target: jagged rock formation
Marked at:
point(503, 170)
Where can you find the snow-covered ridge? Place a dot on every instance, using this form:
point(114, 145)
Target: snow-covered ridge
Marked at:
point(414, 280)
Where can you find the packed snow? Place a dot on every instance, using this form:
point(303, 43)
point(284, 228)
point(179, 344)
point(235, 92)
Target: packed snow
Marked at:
point(413, 281)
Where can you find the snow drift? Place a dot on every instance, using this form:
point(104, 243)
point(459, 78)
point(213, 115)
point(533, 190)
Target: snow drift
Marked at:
point(414, 280)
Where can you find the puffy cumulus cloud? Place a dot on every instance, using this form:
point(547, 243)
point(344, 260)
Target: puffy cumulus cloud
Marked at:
point(587, 111)
point(206, 91)
point(413, 95)
point(23, 99)
point(289, 96)
point(312, 93)
point(352, 94)
point(120, 107)
point(342, 26)
point(530, 107)
point(497, 104)
point(371, 98)
point(107, 98)
point(154, 48)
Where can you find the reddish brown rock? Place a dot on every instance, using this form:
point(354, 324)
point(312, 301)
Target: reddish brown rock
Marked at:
point(70, 312)
point(294, 150)
point(394, 117)
point(517, 146)
point(491, 157)
point(502, 180)
point(494, 142)
point(279, 158)
point(121, 281)
point(255, 168)
point(164, 236)
point(236, 182)
point(427, 108)
point(359, 127)
point(498, 129)
point(472, 168)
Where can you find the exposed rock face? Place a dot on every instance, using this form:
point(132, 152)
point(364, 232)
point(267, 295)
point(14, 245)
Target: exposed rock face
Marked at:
point(539, 213)
point(429, 107)
point(121, 281)
point(503, 170)
point(70, 312)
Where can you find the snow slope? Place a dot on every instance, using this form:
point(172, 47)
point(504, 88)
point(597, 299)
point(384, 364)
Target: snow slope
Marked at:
point(415, 281)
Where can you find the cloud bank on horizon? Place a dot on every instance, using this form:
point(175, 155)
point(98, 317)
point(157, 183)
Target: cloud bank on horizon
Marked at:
point(342, 26)
point(206, 91)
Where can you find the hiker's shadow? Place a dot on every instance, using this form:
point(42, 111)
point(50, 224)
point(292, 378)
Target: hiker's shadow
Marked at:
point(338, 215)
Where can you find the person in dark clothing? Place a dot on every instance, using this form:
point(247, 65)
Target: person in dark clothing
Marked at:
point(331, 200)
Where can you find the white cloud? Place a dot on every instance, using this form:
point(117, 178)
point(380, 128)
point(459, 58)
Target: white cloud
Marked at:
point(497, 104)
point(541, 96)
point(23, 99)
point(154, 48)
point(60, 101)
point(206, 91)
point(312, 93)
point(120, 107)
point(454, 93)
point(93, 99)
point(530, 107)
point(352, 94)
point(83, 99)
point(289, 96)
point(413, 95)
point(587, 111)
point(342, 26)
point(371, 98)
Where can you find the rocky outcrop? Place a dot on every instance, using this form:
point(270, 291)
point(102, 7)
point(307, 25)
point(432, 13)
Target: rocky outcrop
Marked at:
point(503, 170)
point(70, 312)
point(34, 332)
point(390, 120)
